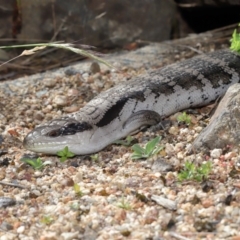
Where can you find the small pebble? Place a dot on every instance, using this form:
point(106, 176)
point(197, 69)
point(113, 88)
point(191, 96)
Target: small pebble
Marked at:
point(97, 76)
point(180, 155)
point(29, 112)
point(78, 177)
point(160, 165)
point(207, 203)
point(179, 146)
point(71, 71)
point(188, 147)
point(49, 236)
point(216, 153)
point(166, 203)
point(117, 65)
point(67, 181)
point(94, 68)
point(173, 130)
point(60, 100)
point(184, 131)
point(6, 226)
point(169, 149)
point(36, 192)
point(73, 92)
point(6, 202)
point(47, 109)
point(85, 75)
point(49, 82)
point(71, 109)
point(21, 229)
point(9, 236)
point(2, 174)
point(189, 138)
point(198, 129)
point(70, 235)
point(39, 115)
point(99, 83)
point(229, 155)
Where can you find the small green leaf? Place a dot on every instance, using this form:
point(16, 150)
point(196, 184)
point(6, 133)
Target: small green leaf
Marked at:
point(36, 163)
point(94, 157)
point(124, 204)
point(157, 150)
point(65, 154)
point(191, 172)
point(150, 149)
point(137, 156)
point(77, 190)
point(46, 220)
point(151, 145)
point(235, 41)
point(137, 149)
point(184, 117)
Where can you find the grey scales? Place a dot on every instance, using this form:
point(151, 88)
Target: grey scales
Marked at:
point(142, 101)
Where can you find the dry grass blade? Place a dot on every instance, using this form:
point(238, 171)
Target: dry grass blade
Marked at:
point(66, 46)
point(31, 51)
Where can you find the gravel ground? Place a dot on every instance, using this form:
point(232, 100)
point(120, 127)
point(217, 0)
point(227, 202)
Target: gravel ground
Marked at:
point(109, 195)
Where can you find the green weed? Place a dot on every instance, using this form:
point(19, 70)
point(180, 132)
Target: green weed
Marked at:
point(124, 204)
point(148, 150)
point(77, 190)
point(65, 154)
point(184, 118)
point(36, 163)
point(192, 172)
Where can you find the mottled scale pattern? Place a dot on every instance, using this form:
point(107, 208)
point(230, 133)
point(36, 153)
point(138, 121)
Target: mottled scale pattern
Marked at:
point(192, 82)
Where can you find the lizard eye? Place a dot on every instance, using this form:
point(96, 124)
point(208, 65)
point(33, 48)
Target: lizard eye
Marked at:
point(54, 133)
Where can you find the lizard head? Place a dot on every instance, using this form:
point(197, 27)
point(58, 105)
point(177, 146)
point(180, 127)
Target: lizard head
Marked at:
point(56, 135)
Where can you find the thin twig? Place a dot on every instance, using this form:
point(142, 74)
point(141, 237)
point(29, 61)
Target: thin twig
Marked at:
point(12, 184)
point(178, 236)
point(56, 32)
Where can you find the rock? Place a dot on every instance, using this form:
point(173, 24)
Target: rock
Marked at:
point(169, 149)
point(216, 153)
point(9, 236)
point(164, 202)
point(60, 100)
point(173, 130)
point(39, 115)
point(160, 165)
point(224, 127)
point(71, 109)
point(69, 235)
point(21, 229)
point(50, 82)
point(71, 71)
point(6, 202)
point(95, 68)
point(97, 23)
point(6, 226)
point(49, 236)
